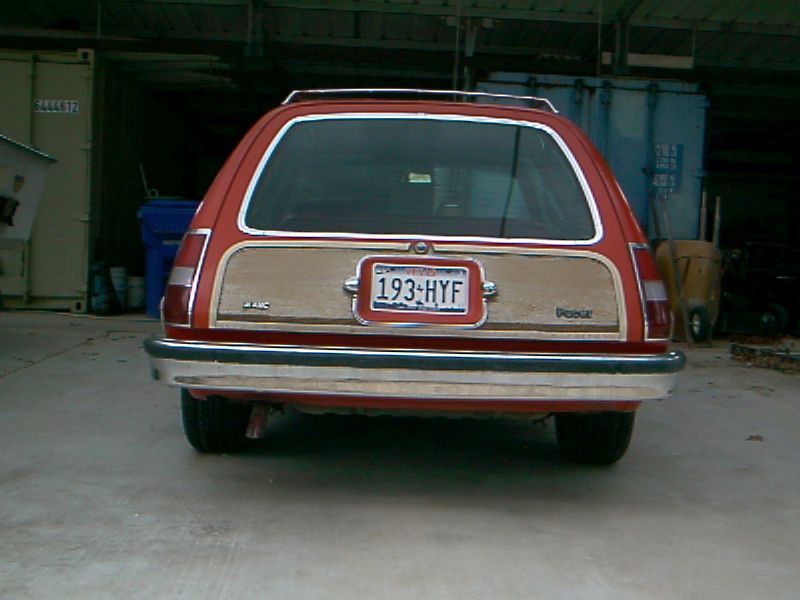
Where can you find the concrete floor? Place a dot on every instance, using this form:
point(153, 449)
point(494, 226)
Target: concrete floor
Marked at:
point(101, 497)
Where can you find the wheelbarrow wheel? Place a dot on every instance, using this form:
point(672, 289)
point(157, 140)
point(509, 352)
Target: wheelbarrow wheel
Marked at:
point(781, 318)
point(700, 324)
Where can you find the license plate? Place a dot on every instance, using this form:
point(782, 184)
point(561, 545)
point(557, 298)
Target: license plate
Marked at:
point(420, 289)
point(402, 291)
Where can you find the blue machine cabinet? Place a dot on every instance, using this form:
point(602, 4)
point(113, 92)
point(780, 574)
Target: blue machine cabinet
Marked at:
point(652, 133)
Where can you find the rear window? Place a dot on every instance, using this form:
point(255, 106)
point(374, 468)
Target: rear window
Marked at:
point(420, 176)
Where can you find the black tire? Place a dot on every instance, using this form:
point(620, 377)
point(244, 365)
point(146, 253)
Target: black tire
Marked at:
point(596, 438)
point(214, 424)
point(767, 325)
point(700, 324)
point(781, 318)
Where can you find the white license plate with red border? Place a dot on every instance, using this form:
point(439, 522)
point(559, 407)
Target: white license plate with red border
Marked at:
point(427, 290)
point(418, 288)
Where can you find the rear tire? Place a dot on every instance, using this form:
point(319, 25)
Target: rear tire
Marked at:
point(214, 424)
point(595, 438)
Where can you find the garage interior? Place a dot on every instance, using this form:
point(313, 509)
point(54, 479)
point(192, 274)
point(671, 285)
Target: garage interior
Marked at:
point(176, 83)
point(101, 497)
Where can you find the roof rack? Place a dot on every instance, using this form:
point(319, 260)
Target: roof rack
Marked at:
point(400, 93)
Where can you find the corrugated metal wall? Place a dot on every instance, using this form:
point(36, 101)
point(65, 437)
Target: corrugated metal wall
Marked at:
point(108, 127)
point(51, 271)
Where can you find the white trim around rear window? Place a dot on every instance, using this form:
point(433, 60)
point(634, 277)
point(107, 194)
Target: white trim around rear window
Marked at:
point(590, 200)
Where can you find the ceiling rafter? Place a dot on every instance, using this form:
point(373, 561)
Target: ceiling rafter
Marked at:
point(351, 28)
point(492, 12)
point(626, 12)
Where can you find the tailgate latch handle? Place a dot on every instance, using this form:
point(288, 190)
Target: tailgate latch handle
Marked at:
point(489, 289)
point(351, 285)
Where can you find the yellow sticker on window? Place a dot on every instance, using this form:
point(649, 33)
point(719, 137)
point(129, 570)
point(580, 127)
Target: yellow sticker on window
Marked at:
point(419, 178)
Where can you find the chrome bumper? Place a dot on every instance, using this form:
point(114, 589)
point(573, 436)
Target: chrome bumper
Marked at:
point(418, 374)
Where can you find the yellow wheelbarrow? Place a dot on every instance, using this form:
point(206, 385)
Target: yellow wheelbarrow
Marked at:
point(693, 275)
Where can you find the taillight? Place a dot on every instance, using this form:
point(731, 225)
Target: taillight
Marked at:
point(655, 303)
point(182, 282)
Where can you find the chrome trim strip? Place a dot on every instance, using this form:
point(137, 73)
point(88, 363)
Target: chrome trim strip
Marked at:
point(411, 386)
point(590, 200)
point(207, 233)
point(466, 336)
point(428, 360)
point(358, 373)
point(359, 92)
point(643, 311)
point(444, 249)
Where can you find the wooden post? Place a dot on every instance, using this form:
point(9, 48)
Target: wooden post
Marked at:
point(703, 216)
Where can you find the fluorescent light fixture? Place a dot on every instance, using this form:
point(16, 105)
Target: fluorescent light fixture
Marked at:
point(659, 61)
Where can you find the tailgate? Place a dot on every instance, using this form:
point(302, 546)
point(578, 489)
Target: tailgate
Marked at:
point(300, 286)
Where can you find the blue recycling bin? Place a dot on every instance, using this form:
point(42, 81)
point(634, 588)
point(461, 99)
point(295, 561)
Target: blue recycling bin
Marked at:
point(164, 221)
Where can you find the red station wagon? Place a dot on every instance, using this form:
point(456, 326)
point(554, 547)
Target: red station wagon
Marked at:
point(416, 252)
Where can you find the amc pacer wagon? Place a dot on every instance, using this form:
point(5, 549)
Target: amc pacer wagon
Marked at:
point(416, 252)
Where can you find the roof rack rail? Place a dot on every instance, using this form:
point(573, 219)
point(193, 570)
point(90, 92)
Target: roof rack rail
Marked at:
point(399, 93)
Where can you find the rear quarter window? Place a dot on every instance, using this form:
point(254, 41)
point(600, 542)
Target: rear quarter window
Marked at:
point(420, 176)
